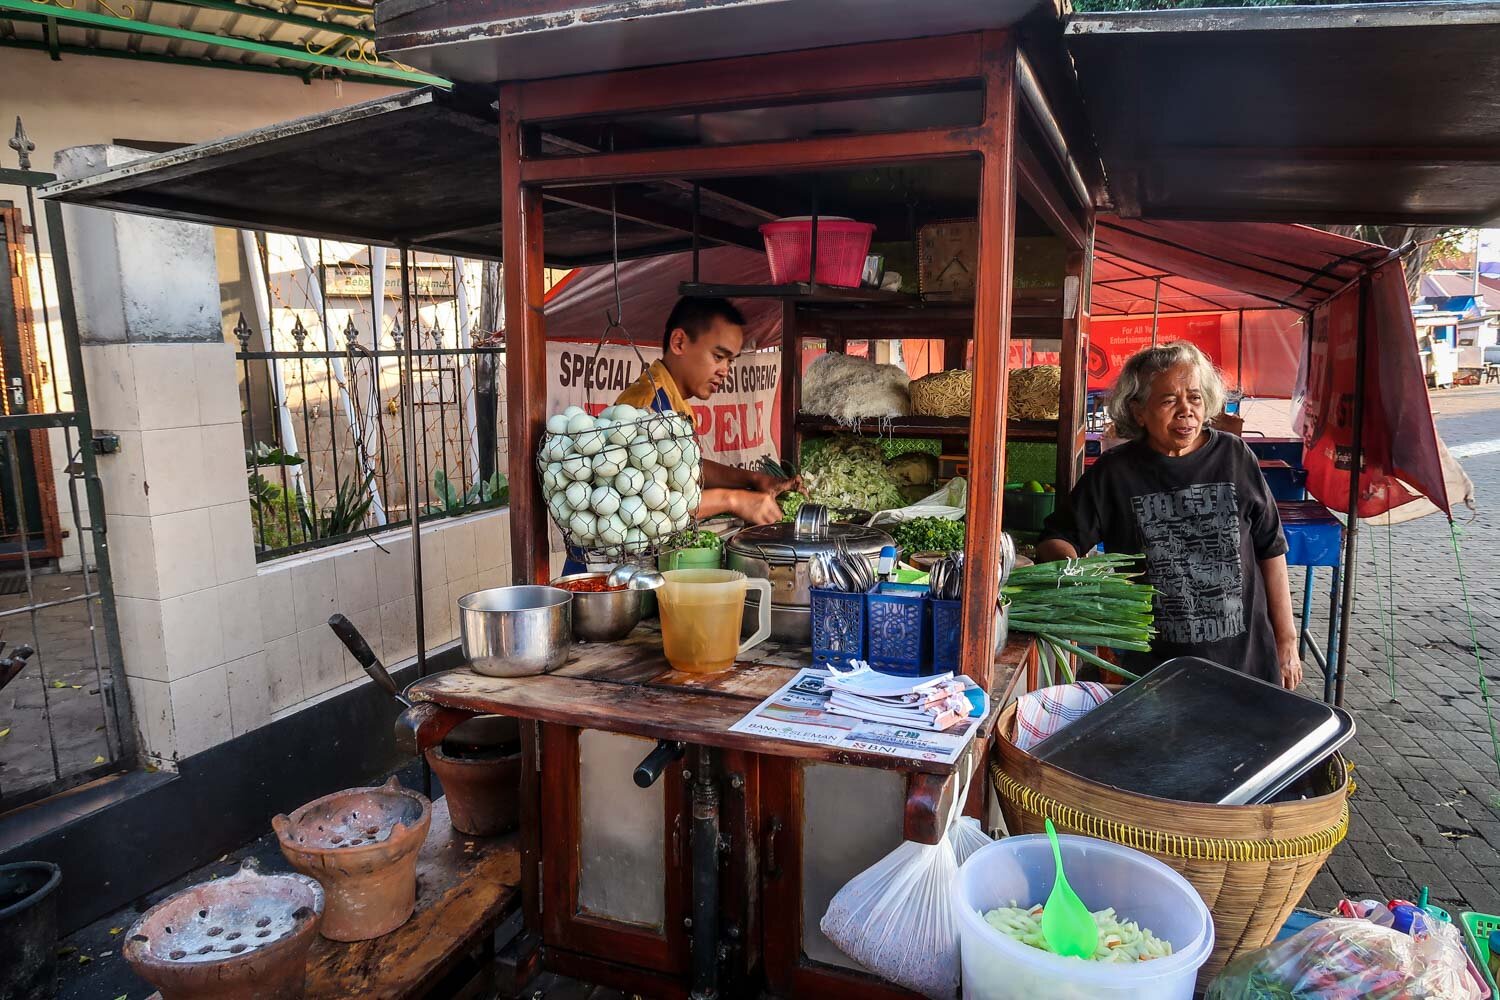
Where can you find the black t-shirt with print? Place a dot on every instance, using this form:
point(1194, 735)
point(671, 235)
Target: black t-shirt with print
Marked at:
point(1204, 522)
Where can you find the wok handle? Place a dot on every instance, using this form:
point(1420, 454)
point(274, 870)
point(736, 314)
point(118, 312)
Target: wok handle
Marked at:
point(650, 769)
point(361, 651)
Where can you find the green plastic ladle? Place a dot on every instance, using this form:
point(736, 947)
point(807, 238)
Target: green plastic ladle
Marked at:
point(1067, 925)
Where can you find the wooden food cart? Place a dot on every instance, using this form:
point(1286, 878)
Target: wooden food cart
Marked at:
point(714, 878)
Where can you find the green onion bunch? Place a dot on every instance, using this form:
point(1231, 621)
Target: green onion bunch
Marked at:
point(1093, 601)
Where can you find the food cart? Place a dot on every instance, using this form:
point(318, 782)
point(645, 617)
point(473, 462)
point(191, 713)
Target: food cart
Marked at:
point(712, 877)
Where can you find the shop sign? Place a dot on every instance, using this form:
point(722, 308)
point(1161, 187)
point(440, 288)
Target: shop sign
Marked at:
point(1113, 341)
point(737, 426)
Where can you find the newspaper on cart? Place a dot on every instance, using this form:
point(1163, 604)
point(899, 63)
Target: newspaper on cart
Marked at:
point(861, 710)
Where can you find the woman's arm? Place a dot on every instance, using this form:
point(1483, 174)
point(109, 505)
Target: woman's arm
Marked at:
point(1279, 607)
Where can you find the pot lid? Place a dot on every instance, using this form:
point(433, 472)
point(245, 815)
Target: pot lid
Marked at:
point(781, 543)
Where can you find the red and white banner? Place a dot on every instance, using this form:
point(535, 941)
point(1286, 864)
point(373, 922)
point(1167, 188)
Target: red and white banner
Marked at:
point(737, 426)
point(1113, 341)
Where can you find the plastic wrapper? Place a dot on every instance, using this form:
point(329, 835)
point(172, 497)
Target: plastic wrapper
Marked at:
point(1352, 959)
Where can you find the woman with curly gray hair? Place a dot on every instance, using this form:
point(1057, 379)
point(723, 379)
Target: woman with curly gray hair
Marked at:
point(1194, 501)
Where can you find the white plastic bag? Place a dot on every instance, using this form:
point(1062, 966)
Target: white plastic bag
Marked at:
point(896, 917)
point(966, 837)
point(949, 503)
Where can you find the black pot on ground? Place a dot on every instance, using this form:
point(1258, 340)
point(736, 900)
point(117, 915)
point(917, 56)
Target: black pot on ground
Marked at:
point(28, 929)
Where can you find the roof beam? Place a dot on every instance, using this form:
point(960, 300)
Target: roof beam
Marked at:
point(190, 61)
point(272, 14)
point(634, 208)
point(277, 51)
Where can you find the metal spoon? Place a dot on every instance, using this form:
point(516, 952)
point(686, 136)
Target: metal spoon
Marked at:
point(646, 578)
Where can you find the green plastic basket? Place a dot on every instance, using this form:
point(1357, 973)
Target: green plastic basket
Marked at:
point(1477, 927)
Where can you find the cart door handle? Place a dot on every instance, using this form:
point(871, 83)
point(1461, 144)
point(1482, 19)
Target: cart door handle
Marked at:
point(773, 870)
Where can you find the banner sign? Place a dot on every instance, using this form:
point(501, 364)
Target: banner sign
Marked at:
point(737, 426)
point(1113, 341)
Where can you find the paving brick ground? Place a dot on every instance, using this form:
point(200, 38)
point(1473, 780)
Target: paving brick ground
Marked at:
point(1427, 810)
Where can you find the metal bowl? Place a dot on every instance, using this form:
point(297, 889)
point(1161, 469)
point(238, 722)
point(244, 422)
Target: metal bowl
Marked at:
point(516, 631)
point(606, 616)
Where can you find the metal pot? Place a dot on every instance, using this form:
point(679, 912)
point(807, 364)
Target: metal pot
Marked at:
point(779, 553)
point(604, 616)
point(516, 631)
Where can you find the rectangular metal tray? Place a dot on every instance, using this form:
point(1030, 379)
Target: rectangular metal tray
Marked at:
point(1195, 731)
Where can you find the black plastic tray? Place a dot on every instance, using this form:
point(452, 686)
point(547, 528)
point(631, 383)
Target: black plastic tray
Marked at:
point(1195, 731)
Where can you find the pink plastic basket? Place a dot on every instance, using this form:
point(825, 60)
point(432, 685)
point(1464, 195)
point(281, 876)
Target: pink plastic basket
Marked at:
point(842, 246)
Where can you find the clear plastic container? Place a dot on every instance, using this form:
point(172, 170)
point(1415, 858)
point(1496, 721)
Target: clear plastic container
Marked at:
point(1018, 871)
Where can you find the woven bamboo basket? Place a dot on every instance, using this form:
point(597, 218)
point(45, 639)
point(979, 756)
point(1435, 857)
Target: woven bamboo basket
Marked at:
point(1251, 864)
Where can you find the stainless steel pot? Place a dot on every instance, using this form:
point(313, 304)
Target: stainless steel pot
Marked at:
point(606, 615)
point(516, 631)
point(779, 553)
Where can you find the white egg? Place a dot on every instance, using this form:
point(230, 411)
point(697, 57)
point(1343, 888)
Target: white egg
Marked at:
point(572, 411)
point(694, 496)
point(557, 424)
point(680, 476)
point(635, 539)
point(558, 507)
point(660, 477)
point(643, 455)
point(577, 467)
point(611, 531)
point(677, 509)
point(661, 524)
point(625, 413)
point(577, 495)
point(556, 448)
point(582, 525)
point(660, 428)
point(609, 462)
point(633, 510)
point(629, 481)
point(608, 413)
point(654, 496)
point(622, 433)
point(669, 452)
point(550, 476)
point(580, 422)
point(604, 500)
point(590, 442)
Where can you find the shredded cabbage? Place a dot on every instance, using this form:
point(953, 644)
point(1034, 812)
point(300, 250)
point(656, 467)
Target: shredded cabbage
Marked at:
point(850, 472)
point(1119, 940)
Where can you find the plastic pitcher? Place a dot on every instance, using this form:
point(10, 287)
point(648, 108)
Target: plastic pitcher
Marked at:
point(701, 612)
point(1018, 871)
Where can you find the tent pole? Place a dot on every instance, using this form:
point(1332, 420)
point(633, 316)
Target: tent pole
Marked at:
point(409, 448)
point(1356, 458)
point(1155, 309)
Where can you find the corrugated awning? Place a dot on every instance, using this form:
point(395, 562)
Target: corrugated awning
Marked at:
point(1358, 114)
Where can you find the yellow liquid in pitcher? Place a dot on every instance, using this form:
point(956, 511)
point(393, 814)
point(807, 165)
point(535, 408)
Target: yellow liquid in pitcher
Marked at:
point(701, 637)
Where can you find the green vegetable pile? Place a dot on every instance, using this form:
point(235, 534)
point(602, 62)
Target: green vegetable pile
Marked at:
point(791, 502)
point(929, 534)
point(1094, 601)
point(696, 540)
point(850, 472)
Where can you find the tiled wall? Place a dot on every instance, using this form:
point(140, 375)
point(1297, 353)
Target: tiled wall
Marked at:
point(370, 582)
point(178, 520)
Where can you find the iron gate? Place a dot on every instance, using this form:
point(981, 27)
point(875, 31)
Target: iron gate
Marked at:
point(64, 706)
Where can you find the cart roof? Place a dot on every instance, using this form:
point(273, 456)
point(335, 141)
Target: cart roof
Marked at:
point(1368, 113)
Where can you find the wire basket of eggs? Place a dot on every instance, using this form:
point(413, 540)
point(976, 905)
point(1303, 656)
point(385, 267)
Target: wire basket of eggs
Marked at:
point(620, 484)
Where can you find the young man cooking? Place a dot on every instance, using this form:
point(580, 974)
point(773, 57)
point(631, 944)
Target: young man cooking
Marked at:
point(701, 341)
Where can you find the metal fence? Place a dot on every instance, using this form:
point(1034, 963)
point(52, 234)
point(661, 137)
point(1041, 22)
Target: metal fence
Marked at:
point(324, 415)
point(65, 709)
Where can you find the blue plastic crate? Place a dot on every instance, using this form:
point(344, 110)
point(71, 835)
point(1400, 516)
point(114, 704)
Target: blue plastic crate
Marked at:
point(947, 619)
point(898, 629)
point(838, 628)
